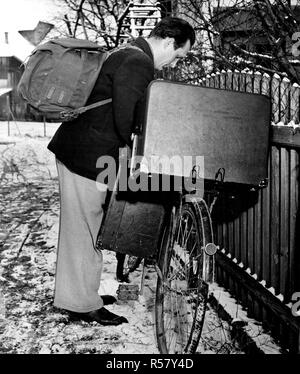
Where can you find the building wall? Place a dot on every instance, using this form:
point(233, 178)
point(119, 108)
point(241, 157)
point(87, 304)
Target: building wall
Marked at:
point(11, 105)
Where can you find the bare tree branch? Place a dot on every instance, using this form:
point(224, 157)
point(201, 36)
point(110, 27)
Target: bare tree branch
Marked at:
point(241, 33)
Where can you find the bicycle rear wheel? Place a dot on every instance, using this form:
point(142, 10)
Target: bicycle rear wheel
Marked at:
point(181, 294)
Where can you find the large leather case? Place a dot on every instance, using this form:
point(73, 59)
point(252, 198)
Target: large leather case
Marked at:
point(133, 223)
point(225, 129)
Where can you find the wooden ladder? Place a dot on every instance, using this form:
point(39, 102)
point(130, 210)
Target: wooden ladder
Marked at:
point(140, 18)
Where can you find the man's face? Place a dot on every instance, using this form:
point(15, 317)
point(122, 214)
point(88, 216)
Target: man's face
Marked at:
point(169, 55)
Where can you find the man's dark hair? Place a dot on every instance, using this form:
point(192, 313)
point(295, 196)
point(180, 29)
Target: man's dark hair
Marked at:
point(176, 28)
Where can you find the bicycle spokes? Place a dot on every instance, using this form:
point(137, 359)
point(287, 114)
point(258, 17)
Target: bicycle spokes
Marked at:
point(183, 292)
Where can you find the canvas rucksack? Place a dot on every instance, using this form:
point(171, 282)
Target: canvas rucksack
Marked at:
point(60, 75)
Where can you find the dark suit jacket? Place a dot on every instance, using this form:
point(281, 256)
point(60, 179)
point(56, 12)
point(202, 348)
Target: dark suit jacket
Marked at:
point(124, 77)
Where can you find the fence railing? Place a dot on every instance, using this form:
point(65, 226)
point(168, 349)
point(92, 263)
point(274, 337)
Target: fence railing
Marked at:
point(263, 241)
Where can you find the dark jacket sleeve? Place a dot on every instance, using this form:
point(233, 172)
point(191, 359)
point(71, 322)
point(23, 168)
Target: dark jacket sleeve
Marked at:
point(129, 85)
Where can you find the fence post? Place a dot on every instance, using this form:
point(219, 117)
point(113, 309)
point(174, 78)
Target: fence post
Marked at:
point(45, 130)
point(294, 196)
point(257, 82)
point(294, 103)
point(212, 80)
point(223, 79)
point(266, 205)
point(275, 95)
point(8, 114)
point(236, 80)
point(207, 80)
point(265, 84)
point(249, 82)
point(243, 77)
point(257, 213)
point(285, 90)
point(228, 84)
point(217, 79)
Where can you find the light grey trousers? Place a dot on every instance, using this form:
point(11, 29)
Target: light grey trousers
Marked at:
point(78, 266)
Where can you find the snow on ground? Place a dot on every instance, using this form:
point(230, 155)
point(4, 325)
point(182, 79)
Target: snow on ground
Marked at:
point(28, 237)
point(29, 205)
point(252, 329)
point(27, 129)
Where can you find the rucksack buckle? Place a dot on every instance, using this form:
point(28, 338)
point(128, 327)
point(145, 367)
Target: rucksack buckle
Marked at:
point(67, 115)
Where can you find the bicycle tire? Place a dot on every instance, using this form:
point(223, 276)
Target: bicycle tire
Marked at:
point(182, 292)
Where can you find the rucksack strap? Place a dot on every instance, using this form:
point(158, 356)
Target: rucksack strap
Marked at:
point(71, 114)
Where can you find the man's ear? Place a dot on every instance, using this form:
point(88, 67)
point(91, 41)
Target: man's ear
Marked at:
point(169, 41)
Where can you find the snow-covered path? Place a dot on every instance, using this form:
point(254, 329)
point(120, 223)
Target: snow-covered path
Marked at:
point(29, 226)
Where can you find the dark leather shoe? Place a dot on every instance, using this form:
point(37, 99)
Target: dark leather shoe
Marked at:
point(108, 299)
point(102, 316)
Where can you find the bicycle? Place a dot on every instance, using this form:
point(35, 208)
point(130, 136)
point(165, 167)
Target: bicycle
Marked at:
point(184, 264)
